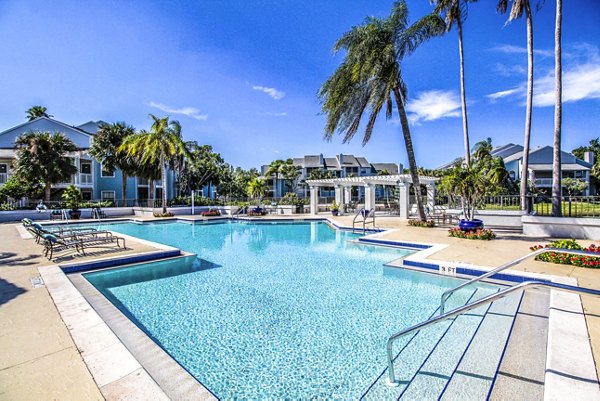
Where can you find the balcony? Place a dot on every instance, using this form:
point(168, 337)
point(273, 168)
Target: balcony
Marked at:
point(86, 179)
point(543, 182)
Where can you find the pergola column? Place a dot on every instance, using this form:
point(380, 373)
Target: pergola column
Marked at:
point(404, 200)
point(347, 194)
point(339, 197)
point(314, 199)
point(369, 196)
point(430, 196)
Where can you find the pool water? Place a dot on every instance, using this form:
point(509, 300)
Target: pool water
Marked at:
point(286, 311)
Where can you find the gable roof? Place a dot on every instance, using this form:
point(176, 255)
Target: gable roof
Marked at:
point(80, 137)
point(91, 126)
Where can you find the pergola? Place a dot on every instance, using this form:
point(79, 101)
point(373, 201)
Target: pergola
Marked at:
point(343, 187)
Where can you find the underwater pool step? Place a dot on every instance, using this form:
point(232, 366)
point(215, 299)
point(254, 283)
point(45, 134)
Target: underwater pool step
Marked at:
point(467, 349)
point(413, 350)
point(475, 375)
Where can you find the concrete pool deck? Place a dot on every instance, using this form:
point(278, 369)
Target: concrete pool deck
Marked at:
point(40, 360)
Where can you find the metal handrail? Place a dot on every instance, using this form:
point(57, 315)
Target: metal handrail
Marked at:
point(365, 216)
point(505, 266)
point(391, 379)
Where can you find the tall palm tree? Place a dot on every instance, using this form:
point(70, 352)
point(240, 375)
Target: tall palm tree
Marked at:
point(36, 112)
point(520, 7)
point(556, 162)
point(370, 77)
point(160, 145)
point(44, 156)
point(105, 148)
point(455, 12)
point(274, 169)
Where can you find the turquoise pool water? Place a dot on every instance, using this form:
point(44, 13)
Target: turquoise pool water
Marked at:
point(277, 311)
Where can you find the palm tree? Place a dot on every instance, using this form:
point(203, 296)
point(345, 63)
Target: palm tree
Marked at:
point(257, 188)
point(160, 145)
point(556, 162)
point(520, 7)
point(482, 149)
point(370, 77)
point(274, 169)
point(37, 112)
point(455, 12)
point(105, 148)
point(44, 156)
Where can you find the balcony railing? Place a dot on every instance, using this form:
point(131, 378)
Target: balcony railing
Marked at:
point(543, 182)
point(3, 178)
point(86, 179)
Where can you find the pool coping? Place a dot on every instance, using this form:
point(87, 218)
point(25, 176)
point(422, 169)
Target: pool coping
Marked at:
point(570, 368)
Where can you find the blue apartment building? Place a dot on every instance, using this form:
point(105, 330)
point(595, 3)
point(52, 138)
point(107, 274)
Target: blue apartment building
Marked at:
point(94, 181)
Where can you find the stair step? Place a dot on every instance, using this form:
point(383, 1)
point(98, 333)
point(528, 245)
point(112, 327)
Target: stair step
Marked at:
point(477, 370)
point(414, 349)
point(431, 379)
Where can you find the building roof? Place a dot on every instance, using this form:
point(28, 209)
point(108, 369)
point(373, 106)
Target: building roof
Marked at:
point(391, 167)
point(313, 161)
point(91, 126)
point(506, 150)
point(363, 162)
point(331, 163)
point(80, 137)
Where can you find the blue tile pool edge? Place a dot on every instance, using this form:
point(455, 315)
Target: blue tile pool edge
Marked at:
point(125, 260)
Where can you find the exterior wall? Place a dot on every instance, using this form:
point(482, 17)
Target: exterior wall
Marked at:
point(7, 139)
point(561, 227)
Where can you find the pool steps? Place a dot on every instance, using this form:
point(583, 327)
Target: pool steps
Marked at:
point(456, 359)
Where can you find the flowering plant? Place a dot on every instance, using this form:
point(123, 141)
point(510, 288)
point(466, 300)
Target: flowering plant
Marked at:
point(210, 212)
point(481, 233)
point(420, 223)
point(568, 259)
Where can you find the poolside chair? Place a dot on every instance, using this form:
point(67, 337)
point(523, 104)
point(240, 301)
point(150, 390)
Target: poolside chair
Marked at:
point(53, 243)
point(98, 239)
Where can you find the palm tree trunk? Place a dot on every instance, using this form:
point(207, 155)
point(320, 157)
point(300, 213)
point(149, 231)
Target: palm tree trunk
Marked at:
point(151, 191)
point(163, 173)
point(124, 190)
point(525, 165)
point(556, 164)
point(47, 191)
point(410, 152)
point(462, 93)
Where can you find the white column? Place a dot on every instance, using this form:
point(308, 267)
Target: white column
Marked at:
point(347, 194)
point(430, 196)
point(404, 200)
point(314, 200)
point(369, 196)
point(339, 197)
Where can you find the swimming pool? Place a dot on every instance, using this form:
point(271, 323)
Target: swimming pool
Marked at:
point(289, 310)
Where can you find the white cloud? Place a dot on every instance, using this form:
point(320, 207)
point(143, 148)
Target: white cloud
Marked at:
point(433, 105)
point(509, 70)
point(512, 49)
point(580, 81)
point(505, 93)
point(271, 114)
point(186, 111)
point(274, 93)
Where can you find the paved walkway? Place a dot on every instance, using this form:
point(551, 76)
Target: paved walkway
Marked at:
point(39, 361)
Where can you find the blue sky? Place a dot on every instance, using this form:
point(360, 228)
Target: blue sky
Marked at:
point(243, 76)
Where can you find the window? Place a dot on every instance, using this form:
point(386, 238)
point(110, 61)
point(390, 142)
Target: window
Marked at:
point(107, 173)
point(86, 195)
point(86, 168)
point(3, 168)
point(108, 195)
point(512, 175)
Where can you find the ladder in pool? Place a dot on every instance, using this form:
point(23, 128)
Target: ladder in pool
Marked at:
point(363, 217)
point(490, 323)
point(64, 215)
